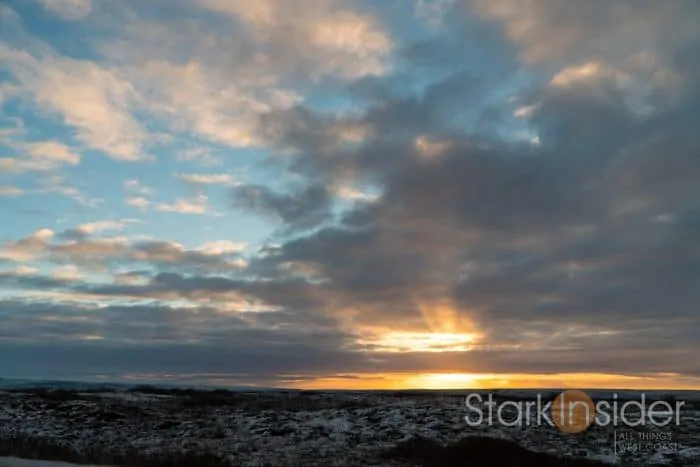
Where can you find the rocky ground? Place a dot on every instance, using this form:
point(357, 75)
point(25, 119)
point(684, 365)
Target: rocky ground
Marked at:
point(14, 462)
point(295, 428)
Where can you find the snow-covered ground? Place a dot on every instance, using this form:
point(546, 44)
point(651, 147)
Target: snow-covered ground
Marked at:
point(326, 427)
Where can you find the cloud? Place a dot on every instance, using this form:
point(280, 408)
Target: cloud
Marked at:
point(196, 339)
point(66, 273)
point(18, 166)
point(85, 230)
point(138, 195)
point(206, 179)
point(43, 234)
point(22, 270)
point(134, 186)
point(352, 194)
point(433, 11)
point(599, 30)
point(199, 156)
point(210, 256)
point(575, 254)
point(92, 99)
point(523, 243)
point(273, 59)
point(28, 247)
point(138, 202)
point(42, 156)
point(10, 191)
point(335, 40)
point(198, 205)
point(68, 9)
point(577, 74)
point(429, 148)
point(210, 105)
point(95, 252)
point(99, 226)
point(96, 105)
point(304, 209)
point(57, 184)
point(53, 151)
point(251, 61)
point(82, 246)
point(221, 246)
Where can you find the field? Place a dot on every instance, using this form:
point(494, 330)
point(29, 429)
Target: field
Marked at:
point(148, 426)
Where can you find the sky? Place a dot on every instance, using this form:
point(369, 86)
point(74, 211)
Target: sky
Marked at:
point(351, 193)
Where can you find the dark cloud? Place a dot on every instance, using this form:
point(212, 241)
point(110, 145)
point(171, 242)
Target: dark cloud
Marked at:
point(31, 281)
point(303, 209)
point(121, 341)
point(590, 232)
point(124, 340)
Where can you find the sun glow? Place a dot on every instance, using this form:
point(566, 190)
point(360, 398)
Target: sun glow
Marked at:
point(425, 342)
point(445, 381)
point(488, 381)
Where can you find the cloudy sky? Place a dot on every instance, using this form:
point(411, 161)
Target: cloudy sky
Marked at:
point(351, 193)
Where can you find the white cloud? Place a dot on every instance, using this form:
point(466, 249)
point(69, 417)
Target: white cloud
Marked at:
point(18, 165)
point(53, 151)
point(58, 185)
point(100, 226)
point(134, 186)
point(429, 148)
point(354, 45)
point(68, 9)
point(67, 273)
point(27, 248)
point(88, 97)
point(221, 247)
point(526, 111)
point(10, 191)
point(138, 202)
point(211, 103)
point(336, 40)
point(24, 270)
point(139, 194)
point(42, 235)
point(353, 194)
point(199, 156)
point(572, 75)
point(213, 81)
point(198, 205)
point(206, 179)
point(41, 156)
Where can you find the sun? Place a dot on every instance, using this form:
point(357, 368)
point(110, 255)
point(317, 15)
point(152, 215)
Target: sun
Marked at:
point(445, 381)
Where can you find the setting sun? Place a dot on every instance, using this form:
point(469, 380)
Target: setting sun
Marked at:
point(445, 381)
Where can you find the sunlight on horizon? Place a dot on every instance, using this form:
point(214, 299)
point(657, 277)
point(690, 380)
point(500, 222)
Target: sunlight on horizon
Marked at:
point(486, 381)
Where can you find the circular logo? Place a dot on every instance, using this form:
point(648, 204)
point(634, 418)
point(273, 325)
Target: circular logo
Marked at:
point(573, 411)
